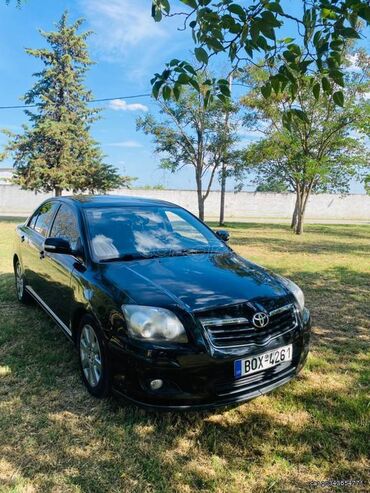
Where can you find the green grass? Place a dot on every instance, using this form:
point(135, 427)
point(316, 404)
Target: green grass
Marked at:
point(54, 437)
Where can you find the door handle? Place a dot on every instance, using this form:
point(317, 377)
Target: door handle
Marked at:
point(42, 254)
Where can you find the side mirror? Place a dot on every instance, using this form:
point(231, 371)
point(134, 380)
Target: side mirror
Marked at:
point(223, 235)
point(57, 245)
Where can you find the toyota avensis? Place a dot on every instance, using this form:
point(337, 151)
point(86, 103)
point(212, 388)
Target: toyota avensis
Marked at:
point(161, 310)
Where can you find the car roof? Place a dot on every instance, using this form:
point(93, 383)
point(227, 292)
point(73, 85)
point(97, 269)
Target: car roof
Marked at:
point(87, 201)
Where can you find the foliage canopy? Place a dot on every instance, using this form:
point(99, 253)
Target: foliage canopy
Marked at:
point(193, 133)
point(318, 153)
point(244, 31)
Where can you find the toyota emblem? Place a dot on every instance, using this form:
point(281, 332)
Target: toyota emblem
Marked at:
point(260, 320)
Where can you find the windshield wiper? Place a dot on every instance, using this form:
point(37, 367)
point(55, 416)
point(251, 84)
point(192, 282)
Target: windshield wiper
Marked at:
point(138, 256)
point(188, 251)
point(166, 253)
point(127, 256)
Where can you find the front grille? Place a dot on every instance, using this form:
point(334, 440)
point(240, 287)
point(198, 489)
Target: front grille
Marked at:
point(224, 331)
point(257, 381)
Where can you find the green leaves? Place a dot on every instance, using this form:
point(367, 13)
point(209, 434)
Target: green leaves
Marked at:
point(243, 30)
point(316, 90)
point(224, 87)
point(56, 150)
point(338, 98)
point(156, 13)
point(158, 7)
point(275, 83)
point(191, 3)
point(337, 77)
point(238, 10)
point(274, 7)
point(201, 55)
point(176, 92)
point(156, 88)
point(289, 115)
point(364, 13)
point(268, 31)
point(166, 93)
point(300, 114)
point(266, 90)
point(328, 13)
point(326, 86)
point(166, 6)
point(214, 44)
point(287, 120)
point(313, 146)
point(349, 32)
point(195, 84)
point(207, 99)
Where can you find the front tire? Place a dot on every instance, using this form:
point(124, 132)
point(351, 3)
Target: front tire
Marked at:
point(92, 356)
point(20, 284)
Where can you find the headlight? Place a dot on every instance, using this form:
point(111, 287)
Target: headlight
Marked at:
point(153, 324)
point(296, 290)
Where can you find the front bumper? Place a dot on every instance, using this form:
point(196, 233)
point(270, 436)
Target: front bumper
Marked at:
point(200, 380)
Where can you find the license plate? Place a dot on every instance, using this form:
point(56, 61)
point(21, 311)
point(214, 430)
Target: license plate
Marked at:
point(262, 361)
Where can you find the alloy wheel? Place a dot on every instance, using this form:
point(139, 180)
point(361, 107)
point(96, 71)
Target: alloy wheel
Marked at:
point(90, 353)
point(19, 281)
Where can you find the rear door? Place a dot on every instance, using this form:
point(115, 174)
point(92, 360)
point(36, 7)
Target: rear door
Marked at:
point(57, 292)
point(32, 247)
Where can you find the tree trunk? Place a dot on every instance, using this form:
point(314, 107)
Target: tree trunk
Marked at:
point(201, 208)
point(298, 228)
point(302, 199)
point(200, 197)
point(301, 209)
point(295, 214)
point(222, 198)
point(57, 191)
point(223, 169)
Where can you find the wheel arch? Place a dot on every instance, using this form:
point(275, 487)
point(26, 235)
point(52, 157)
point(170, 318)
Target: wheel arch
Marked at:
point(15, 259)
point(76, 318)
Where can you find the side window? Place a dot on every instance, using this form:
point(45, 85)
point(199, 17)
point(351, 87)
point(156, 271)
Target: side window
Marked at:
point(66, 226)
point(32, 221)
point(44, 217)
point(184, 228)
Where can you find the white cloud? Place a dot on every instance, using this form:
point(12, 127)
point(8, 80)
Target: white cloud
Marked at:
point(251, 134)
point(120, 25)
point(245, 132)
point(125, 143)
point(120, 105)
point(125, 33)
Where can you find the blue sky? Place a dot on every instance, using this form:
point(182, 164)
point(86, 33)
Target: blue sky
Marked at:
point(128, 48)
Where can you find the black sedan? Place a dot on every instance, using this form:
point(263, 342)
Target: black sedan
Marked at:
point(160, 309)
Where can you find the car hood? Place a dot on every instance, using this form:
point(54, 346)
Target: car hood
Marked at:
point(195, 282)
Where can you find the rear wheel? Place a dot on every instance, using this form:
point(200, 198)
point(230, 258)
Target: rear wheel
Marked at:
point(93, 360)
point(20, 283)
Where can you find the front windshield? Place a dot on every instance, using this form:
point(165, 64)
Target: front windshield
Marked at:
point(136, 232)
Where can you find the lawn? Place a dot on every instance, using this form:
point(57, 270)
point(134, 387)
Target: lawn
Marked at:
point(54, 437)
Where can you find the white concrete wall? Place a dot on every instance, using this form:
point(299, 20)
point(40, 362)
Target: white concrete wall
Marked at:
point(243, 205)
point(5, 175)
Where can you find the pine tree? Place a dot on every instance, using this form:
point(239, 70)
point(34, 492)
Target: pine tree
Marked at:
point(55, 151)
